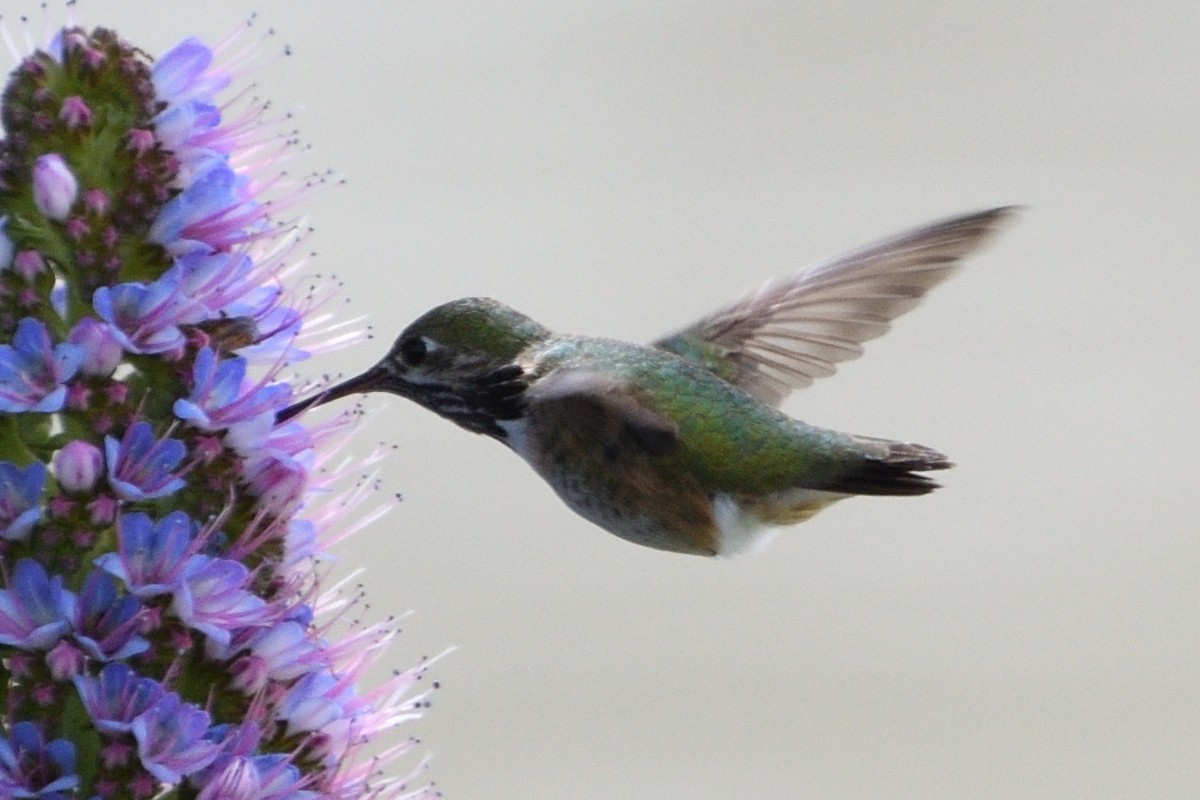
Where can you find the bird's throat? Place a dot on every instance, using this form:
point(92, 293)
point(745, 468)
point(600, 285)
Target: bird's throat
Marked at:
point(480, 404)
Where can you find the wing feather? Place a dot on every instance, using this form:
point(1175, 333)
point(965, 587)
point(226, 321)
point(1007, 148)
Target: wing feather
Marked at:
point(791, 331)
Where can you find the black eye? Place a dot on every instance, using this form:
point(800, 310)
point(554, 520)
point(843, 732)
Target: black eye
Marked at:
point(413, 351)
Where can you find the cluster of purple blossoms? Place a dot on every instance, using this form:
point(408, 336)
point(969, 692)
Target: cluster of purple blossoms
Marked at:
point(163, 632)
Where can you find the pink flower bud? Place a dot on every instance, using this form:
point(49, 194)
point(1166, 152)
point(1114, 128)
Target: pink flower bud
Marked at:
point(75, 40)
point(75, 113)
point(97, 201)
point(116, 754)
point(77, 228)
point(20, 665)
point(141, 140)
point(102, 351)
point(102, 510)
point(30, 264)
point(78, 465)
point(54, 186)
point(60, 506)
point(65, 661)
point(79, 396)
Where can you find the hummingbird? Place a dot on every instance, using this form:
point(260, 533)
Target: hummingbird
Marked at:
point(680, 445)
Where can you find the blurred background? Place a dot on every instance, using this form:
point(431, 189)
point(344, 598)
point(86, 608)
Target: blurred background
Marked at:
point(620, 168)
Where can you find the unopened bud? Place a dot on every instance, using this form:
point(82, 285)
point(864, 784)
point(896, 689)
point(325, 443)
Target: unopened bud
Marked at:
point(78, 465)
point(102, 352)
point(75, 113)
point(54, 186)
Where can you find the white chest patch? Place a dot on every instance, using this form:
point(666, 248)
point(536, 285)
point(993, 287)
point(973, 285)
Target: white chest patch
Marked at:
point(740, 532)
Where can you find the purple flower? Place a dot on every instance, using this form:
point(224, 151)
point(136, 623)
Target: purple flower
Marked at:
point(219, 282)
point(191, 641)
point(20, 493)
point(278, 480)
point(217, 399)
point(36, 611)
point(185, 72)
point(316, 702)
point(170, 739)
point(145, 318)
point(278, 472)
point(54, 186)
point(106, 623)
point(212, 598)
point(33, 369)
point(282, 652)
point(78, 465)
point(190, 125)
point(300, 542)
point(141, 466)
point(281, 326)
point(267, 777)
point(237, 779)
point(151, 555)
point(31, 767)
point(102, 348)
point(116, 697)
point(216, 212)
point(191, 130)
point(180, 125)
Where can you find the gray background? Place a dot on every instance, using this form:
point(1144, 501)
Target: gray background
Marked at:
point(621, 168)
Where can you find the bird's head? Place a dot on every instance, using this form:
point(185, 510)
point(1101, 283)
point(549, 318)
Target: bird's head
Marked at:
point(458, 359)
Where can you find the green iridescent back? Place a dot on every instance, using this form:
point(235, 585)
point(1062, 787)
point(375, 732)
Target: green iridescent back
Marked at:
point(729, 441)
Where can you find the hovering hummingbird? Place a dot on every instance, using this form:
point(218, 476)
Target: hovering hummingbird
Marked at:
point(679, 445)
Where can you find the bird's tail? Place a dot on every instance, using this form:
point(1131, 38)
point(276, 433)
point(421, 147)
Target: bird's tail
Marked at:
point(891, 468)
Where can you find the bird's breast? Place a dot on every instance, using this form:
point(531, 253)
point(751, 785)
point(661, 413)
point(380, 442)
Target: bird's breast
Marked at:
point(617, 487)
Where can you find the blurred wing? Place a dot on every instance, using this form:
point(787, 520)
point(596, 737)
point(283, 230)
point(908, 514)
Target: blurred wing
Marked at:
point(794, 330)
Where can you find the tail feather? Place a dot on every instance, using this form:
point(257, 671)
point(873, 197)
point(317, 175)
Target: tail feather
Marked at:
point(891, 468)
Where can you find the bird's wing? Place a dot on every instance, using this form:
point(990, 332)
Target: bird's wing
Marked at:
point(794, 330)
point(592, 406)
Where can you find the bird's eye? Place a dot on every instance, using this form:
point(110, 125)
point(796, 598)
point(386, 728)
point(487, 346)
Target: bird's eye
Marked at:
point(413, 351)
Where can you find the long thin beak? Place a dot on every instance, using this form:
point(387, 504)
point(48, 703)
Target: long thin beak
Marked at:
point(369, 381)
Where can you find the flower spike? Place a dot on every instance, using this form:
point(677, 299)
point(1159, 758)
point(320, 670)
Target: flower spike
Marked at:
point(161, 632)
